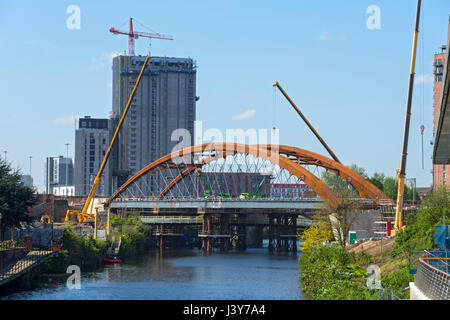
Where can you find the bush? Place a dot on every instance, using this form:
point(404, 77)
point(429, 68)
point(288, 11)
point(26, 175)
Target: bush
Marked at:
point(88, 253)
point(331, 273)
point(134, 234)
point(419, 231)
point(398, 280)
point(363, 258)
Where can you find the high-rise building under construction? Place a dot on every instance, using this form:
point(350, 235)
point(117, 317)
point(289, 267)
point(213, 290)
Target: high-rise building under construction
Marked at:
point(164, 101)
point(441, 172)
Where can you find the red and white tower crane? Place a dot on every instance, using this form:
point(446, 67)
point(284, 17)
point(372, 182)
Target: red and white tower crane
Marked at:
point(136, 34)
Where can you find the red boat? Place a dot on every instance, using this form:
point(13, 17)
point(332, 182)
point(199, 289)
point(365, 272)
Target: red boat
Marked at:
point(112, 260)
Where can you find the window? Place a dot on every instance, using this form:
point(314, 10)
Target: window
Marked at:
point(439, 78)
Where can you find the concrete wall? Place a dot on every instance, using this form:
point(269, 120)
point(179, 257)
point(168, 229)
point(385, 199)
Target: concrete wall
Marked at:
point(41, 236)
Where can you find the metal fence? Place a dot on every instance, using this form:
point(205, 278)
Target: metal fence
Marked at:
point(414, 257)
point(17, 268)
point(10, 244)
point(433, 282)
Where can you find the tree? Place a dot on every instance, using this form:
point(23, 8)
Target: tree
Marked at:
point(390, 188)
point(342, 220)
point(377, 180)
point(15, 198)
point(317, 234)
point(340, 186)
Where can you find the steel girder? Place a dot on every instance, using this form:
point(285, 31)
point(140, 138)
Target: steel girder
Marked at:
point(223, 149)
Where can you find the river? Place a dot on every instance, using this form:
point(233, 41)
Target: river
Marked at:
point(185, 274)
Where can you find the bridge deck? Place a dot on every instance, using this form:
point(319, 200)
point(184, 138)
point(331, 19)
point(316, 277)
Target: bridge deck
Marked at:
point(263, 221)
point(202, 204)
point(30, 261)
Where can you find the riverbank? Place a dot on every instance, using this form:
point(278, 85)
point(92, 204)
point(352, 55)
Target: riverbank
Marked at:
point(335, 273)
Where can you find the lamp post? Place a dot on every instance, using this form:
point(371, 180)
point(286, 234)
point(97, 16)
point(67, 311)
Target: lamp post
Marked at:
point(5, 152)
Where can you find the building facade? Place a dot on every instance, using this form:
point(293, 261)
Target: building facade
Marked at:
point(234, 184)
point(164, 102)
point(441, 172)
point(58, 173)
point(291, 191)
point(91, 143)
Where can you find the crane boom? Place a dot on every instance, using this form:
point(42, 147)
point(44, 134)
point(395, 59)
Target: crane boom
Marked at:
point(136, 34)
point(402, 172)
point(306, 121)
point(83, 214)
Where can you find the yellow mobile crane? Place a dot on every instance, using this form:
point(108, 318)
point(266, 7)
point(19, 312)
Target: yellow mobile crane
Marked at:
point(401, 174)
point(83, 216)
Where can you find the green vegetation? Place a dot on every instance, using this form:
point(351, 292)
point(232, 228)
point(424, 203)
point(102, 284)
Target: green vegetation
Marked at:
point(385, 184)
point(88, 253)
point(135, 235)
point(85, 252)
point(418, 235)
point(332, 272)
point(15, 198)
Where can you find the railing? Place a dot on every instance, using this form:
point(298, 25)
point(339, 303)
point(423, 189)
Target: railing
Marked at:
point(431, 281)
point(172, 219)
point(199, 220)
point(414, 257)
point(10, 244)
point(31, 259)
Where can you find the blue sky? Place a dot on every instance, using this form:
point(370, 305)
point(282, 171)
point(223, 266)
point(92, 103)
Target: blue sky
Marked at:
point(349, 81)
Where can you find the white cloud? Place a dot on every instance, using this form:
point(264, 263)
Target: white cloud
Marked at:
point(424, 78)
point(323, 36)
point(245, 115)
point(66, 121)
point(105, 60)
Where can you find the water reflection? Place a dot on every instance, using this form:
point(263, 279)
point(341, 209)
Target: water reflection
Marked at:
point(186, 274)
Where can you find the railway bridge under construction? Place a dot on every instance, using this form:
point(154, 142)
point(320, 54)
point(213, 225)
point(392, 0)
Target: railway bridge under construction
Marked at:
point(223, 190)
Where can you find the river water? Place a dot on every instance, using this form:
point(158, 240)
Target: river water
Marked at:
point(186, 274)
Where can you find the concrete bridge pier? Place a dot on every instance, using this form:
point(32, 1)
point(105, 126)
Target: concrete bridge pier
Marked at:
point(282, 232)
point(169, 236)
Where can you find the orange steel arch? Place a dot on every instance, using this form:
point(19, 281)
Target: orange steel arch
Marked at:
point(223, 149)
point(364, 187)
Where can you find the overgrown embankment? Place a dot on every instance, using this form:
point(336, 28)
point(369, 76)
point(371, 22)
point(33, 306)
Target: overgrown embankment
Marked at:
point(331, 272)
point(85, 252)
point(88, 253)
point(135, 235)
